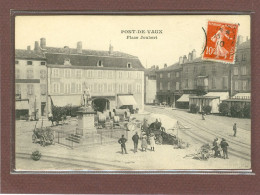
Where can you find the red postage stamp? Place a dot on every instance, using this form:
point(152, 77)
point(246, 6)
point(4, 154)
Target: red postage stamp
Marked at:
point(221, 42)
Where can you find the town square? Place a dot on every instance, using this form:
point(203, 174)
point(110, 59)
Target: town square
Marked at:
point(180, 101)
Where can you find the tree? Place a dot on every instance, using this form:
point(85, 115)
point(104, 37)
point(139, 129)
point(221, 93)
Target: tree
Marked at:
point(223, 108)
point(236, 110)
point(194, 108)
point(247, 111)
point(207, 109)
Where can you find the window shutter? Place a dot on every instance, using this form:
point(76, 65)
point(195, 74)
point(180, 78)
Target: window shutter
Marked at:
point(73, 90)
point(61, 87)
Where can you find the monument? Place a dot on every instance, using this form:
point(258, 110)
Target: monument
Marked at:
point(86, 127)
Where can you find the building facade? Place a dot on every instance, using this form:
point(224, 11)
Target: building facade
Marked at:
point(30, 83)
point(169, 87)
point(150, 85)
point(114, 79)
point(241, 70)
point(193, 76)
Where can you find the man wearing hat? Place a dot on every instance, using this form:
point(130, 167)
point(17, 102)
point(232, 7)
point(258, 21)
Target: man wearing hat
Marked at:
point(122, 141)
point(224, 146)
point(135, 139)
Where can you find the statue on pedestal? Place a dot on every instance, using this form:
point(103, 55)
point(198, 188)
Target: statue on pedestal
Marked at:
point(86, 97)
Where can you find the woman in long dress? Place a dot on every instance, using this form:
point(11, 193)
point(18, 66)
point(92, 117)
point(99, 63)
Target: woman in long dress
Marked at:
point(220, 50)
point(152, 141)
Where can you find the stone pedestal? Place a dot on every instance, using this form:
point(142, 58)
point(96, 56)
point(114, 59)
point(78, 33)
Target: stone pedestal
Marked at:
point(86, 126)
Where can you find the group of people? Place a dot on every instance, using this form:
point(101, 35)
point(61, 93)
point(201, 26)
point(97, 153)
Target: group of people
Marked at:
point(219, 146)
point(144, 142)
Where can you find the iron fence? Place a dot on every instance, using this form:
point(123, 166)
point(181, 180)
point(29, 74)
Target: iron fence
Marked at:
point(103, 136)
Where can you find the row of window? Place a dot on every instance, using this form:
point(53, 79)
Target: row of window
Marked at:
point(96, 87)
point(243, 57)
point(186, 70)
point(100, 64)
point(203, 82)
point(30, 89)
point(243, 70)
point(241, 85)
point(30, 74)
point(72, 73)
point(177, 86)
point(177, 74)
point(29, 62)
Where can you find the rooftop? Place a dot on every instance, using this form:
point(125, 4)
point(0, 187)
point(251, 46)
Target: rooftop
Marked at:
point(28, 54)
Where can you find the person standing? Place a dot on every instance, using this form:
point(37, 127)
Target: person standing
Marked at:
point(144, 143)
point(235, 129)
point(152, 141)
point(122, 141)
point(135, 139)
point(224, 146)
point(145, 126)
point(216, 148)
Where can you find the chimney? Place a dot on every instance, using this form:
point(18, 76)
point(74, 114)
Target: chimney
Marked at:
point(180, 60)
point(239, 39)
point(185, 59)
point(157, 67)
point(36, 46)
point(28, 48)
point(193, 54)
point(153, 67)
point(247, 38)
point(190, 56)
point(165, 65)
point(110, 49)
point(79, 47)
point(43, 43)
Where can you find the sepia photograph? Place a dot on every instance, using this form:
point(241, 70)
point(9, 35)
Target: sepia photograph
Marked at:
point(132, 93)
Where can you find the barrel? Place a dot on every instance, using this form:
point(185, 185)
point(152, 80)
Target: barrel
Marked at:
point(106, 113)
point(121, 111)
point(111, 114)
point(101, 118)
point(127, 114)
point(116, 119)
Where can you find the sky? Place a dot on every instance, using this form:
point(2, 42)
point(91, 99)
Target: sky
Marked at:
point(177, 35)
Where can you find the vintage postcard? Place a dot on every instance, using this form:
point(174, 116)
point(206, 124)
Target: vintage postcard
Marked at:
point(132, 93)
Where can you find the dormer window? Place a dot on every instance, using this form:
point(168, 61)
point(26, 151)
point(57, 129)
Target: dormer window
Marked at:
point(67, 61)
point(100, 63)
point(129, 65)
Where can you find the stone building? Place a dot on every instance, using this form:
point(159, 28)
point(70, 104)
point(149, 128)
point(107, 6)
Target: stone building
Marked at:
point(199, 77)
point(169, 87)
point(30, 82)
point(150, 85)
point(115, 79)
point(241, 70)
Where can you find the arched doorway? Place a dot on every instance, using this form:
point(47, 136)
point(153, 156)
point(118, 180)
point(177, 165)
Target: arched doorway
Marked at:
point(101, 104)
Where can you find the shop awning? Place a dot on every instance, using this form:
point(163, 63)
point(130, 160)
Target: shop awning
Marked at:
point(184, 98)
point(22, 105)
point(61, 101)
point(242, 96)
point(124, 100)
point(221, 95)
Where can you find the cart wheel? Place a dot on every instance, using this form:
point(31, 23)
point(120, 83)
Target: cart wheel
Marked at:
point(34, 138)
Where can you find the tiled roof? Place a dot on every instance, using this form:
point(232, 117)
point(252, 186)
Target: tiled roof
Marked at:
point(89, 52)
point(28, 54)
point(172, 67)
point(56, 56)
